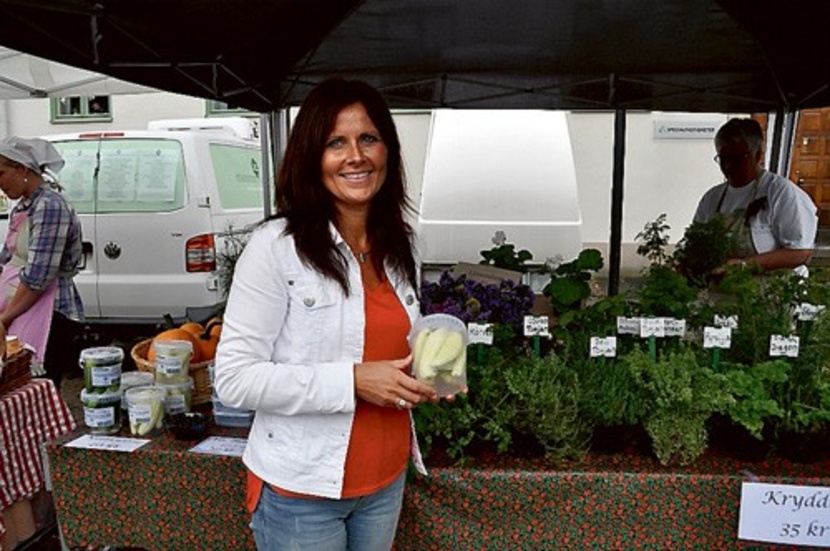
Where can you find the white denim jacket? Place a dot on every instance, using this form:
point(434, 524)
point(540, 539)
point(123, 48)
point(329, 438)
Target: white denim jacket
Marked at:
point(290, 340)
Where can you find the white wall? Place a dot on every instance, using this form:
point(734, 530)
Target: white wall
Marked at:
point(661, 175)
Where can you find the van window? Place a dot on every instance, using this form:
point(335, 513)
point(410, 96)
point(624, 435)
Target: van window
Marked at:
point(238, 176)
point(134, 175)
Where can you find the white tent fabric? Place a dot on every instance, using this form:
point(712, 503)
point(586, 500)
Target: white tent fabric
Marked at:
point(26, 76)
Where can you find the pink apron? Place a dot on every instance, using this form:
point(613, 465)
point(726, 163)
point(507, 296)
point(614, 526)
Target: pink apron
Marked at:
point(32, 326)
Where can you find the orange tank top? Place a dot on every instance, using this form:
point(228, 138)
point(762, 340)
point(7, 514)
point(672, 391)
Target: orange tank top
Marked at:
point(379, 444)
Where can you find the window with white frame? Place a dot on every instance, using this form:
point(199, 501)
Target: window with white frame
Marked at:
point(81, 109)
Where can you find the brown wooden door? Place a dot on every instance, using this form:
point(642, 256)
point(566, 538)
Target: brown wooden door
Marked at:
point(810, 166)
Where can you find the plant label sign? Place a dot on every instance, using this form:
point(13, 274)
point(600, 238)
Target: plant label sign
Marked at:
point(726, 321)
point(808, 312)
point(674, 327)
point(628, 326)
point(605, 347)
point(480, 333)
point(779, 345)
point(717, 337)
point(785, 513)
point(652, 327)
point(536, 326)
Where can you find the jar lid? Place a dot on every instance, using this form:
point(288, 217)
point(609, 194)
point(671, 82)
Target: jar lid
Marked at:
point(101, 355)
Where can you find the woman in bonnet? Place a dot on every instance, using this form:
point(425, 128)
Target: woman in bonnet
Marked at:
point(39, 302)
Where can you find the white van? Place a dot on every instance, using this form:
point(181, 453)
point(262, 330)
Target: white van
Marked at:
point(156, 207)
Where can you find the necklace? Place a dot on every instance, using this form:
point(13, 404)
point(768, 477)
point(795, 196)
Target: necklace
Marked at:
point(363, 257)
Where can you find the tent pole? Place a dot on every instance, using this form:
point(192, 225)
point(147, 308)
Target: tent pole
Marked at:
point(266, 123)
point(615, 241)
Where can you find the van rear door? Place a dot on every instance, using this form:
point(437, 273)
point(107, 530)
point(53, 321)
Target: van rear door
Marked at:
point(143, 218)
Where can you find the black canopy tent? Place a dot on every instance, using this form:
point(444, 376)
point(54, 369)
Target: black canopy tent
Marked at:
point(264, 55)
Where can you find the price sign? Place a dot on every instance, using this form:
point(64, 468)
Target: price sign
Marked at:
point(652, 327)
point(536, 326)
point(726, 321)
point(603, 347)
point(717, 337)
point(785, 513)
point(107, 443)
point(480, 333)
point(674, 327)
point(628, 326)
point(780, 345)
point(221, 445)
point(808, 312)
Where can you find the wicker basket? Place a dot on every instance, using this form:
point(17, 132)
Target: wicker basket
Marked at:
point(199, 371)
point(16, 370)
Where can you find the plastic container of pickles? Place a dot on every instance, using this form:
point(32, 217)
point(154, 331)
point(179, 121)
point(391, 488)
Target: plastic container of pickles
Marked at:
point(439, 348)
point(102, 368)
point(179, 397)
point(172, 361)
point(145, 407)
point(102, 411)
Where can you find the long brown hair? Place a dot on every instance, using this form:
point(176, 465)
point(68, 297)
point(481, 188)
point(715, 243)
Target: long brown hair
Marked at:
point(309, 207)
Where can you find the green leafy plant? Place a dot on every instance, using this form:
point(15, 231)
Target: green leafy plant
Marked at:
point(653, 241)
point(608, 393)
point(544, 394)
point(704, 247)
point(753, 390)
point(504, 255)
point(483, 418)
point(682, 395)
point(233, 244)
point(569, 282)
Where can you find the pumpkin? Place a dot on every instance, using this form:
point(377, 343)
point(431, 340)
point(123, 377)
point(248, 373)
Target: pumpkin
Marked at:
point(209, 339)
point(193, 327)
point(177, 334)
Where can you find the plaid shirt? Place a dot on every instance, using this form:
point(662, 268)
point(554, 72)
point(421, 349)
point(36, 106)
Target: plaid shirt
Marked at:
point(54, 248)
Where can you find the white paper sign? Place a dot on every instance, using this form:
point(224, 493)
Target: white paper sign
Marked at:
point(108, 443)
point(628, 326)
point(480, 333)
point(674, 327)
point(808, 312)
point(652, 327)
point(726, 321)
point(717, 337)
point(221, 445)
point(785, 513)
point(603, 347)
point(779, 345)
point(536, 325)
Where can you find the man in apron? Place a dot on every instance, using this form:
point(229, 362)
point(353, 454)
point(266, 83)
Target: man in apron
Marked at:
point(39, 303)
point(774, 220)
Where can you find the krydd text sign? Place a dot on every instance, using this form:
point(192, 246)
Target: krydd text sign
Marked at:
point(785, 513)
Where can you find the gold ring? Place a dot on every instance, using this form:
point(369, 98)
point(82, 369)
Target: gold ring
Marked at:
point(401, 403)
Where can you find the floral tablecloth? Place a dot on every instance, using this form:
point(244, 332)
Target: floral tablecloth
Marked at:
point(29, 416)
point(164, 497)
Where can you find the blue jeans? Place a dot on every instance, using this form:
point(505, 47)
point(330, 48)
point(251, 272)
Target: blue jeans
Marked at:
point(365, 523)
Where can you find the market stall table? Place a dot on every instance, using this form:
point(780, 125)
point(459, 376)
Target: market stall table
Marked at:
point(163, 496)
point(29, 416)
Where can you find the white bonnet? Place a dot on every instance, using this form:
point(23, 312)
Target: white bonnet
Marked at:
point(37, 154)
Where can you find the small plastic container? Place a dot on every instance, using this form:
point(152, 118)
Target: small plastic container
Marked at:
point(439, 348)
point(172, 361)
point(102, 368)
point(145, 406)
point(102, 411)
point(132, 379)
point(225, 416)
point(179, 398)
